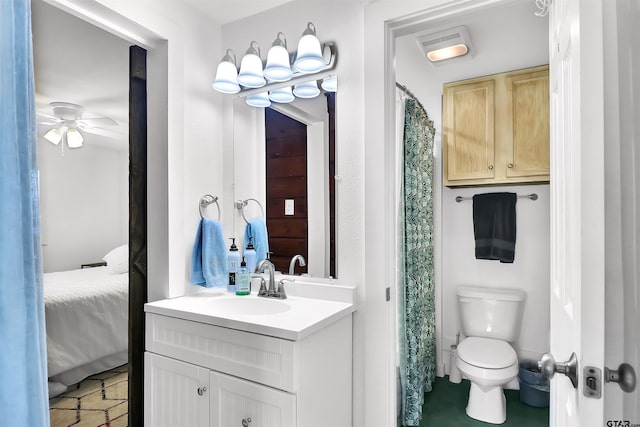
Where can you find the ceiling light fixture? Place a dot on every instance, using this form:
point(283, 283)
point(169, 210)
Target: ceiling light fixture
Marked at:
point(274, 82)
point(69, 126)
point(443, 47)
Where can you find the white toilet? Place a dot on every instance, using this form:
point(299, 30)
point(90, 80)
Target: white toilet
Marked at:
point(491, 319)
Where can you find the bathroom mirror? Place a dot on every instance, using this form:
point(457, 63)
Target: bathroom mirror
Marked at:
point(284, 157)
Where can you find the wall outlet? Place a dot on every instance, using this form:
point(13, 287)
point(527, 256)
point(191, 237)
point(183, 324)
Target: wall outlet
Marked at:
point(289, 207)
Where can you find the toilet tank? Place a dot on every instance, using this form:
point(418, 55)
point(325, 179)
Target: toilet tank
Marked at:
point(491, 312)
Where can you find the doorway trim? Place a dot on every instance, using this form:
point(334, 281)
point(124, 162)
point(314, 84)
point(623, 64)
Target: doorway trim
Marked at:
point(383, 24)
point(165, 169)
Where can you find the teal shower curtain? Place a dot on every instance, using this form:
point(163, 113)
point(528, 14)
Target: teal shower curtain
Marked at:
point(417, 323)
point(23, 362)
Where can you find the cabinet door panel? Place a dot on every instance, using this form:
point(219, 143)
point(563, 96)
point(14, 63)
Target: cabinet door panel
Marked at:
point(176, 393)
point(234, 399)
point(469, 131)
point(528, 123)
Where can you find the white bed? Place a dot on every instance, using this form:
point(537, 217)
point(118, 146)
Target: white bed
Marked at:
point(86, 313)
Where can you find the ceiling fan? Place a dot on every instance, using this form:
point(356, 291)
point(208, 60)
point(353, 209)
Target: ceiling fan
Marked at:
point(68, 125)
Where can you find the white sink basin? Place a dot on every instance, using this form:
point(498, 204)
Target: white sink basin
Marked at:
point(242, 306)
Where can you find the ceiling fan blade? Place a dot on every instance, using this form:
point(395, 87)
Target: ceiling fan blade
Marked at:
point(49, 123)
point(101, 132)
point(98, 122)
point(45, 116)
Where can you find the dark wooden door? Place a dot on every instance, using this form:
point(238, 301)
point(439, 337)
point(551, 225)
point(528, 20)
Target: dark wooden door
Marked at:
point(286, 158)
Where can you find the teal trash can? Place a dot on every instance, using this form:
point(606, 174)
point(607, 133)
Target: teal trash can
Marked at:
point(534, 387)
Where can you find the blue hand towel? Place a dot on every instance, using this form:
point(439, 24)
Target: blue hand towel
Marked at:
point(257, 230)
point(209, 265)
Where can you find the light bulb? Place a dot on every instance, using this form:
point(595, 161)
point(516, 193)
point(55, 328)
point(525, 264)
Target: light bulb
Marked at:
point(258, 100)
point(278, 68)
point(250, 74)
point(282, 95)
point(74, 138)
point(306, 90)
point(54, 136)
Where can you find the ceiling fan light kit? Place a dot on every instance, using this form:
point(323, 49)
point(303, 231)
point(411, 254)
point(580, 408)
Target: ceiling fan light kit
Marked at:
point(68, 125)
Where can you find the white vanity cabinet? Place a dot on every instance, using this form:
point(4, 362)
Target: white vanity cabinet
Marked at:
point(198, 373)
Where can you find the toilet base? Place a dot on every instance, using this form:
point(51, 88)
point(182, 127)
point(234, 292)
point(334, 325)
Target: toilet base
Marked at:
point(488, 405)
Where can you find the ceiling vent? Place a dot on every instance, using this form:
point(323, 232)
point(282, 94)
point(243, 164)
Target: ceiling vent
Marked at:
point(447, 46)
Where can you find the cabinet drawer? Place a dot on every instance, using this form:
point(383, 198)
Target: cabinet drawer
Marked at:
point(234, 400)
point(259, 358)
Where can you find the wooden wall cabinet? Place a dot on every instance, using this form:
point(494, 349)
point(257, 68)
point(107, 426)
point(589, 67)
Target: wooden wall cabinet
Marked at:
point(496, 129)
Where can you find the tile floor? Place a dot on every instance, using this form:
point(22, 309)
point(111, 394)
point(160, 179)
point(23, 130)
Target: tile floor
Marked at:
point(444, 407)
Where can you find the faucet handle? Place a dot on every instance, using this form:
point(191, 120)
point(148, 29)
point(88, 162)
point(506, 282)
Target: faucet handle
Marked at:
point(263, 285)
point(280, 292)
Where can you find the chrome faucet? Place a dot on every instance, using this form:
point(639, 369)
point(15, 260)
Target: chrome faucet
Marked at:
point(272, 292)
point(292, 264)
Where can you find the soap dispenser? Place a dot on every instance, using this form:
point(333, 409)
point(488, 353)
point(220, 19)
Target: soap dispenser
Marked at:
point(234, 265)
point(243, 282)
point(250, 256)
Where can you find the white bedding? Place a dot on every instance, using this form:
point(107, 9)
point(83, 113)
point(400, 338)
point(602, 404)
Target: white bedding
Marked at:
point(86, 313)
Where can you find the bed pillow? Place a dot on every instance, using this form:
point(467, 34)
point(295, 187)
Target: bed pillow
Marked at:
point(118, 260)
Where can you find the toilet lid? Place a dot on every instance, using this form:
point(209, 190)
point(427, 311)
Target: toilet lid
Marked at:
point(487, 353)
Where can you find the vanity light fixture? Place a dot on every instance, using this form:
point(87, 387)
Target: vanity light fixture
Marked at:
point(227, 74)
point(313, 62)
point(278, 68)
point(250, 74)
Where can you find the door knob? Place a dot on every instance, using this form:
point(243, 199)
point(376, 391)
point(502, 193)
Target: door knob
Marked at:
point(625, 376)
point(548, 366)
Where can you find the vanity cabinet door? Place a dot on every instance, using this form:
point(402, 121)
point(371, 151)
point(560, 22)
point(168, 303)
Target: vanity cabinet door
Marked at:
point(234, 400)
point(176, 394)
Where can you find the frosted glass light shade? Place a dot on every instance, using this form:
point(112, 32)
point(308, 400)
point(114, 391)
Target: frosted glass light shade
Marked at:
point(330, 84)
point(54, 136)
point(226, 78)
point(278, 68)
point(74, 138)
point(251, 71)
point(309, 58)
point(447, 52)
point(258, 100)
point(282, 95)
point(250, 74)
point(306, 90)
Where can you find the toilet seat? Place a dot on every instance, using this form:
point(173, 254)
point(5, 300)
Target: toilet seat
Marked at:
point(487, 353)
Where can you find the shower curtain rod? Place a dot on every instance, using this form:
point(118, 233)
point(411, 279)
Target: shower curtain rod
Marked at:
point(408, 92)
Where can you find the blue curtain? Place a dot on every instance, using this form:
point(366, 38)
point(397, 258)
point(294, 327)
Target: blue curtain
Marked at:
point(417, 321)
point(23, 361)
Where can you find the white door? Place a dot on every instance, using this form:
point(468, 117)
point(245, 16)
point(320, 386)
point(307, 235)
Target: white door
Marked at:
point(176, 394)
point(577, 205)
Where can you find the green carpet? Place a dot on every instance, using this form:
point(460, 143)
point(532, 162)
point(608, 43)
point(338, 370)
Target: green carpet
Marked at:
point(444, 407)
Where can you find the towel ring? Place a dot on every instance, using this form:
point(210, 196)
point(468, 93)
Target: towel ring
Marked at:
point(240, 204)
point(205, 201)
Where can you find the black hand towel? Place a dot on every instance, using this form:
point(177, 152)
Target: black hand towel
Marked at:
point(494, 226)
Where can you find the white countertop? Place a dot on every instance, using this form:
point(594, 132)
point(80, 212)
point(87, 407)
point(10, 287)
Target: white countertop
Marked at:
point(293, 318)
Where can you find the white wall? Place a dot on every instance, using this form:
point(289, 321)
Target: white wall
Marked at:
point(84, 205)
point(184, 134)
point(507, 38)
point(346, 29)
